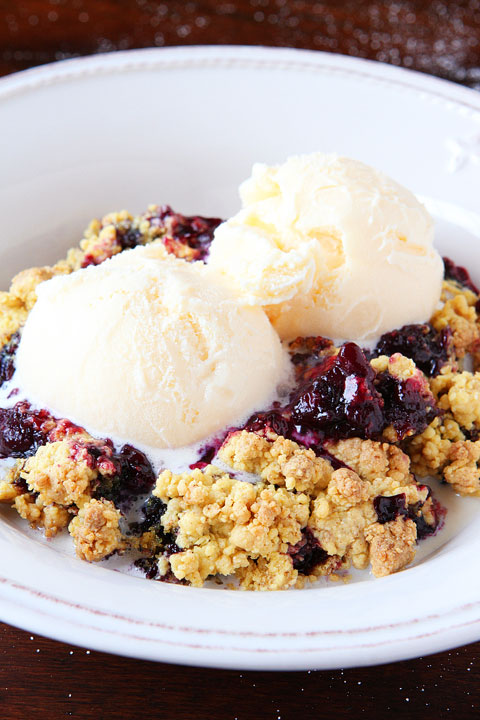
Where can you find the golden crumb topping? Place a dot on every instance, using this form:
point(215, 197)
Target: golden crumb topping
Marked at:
point(101, 239)
point(17, 303)
point(396, 365)
point(276, 460)
point(221, 521)
point(347, 489)
point(274, 573)
point(95, 530)
point(12, 316)
point(372, 460)
point(462, 471)
point(60, 473)
point(458, 313)
point(24, 285)
point(429, 451)
point(392, 545)
point(459, 394)
point(52, 518)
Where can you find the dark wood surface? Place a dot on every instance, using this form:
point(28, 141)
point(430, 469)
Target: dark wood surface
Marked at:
point(40, 678)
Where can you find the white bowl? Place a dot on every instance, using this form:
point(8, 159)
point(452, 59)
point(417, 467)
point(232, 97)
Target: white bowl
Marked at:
point(183, 126)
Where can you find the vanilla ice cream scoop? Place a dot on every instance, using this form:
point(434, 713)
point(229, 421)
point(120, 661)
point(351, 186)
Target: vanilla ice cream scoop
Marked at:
point(330, 246)
point(148, 349)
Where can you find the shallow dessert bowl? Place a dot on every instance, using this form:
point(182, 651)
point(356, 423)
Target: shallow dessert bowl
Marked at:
point(77, 148)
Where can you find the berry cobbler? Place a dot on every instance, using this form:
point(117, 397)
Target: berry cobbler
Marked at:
point(247, 442)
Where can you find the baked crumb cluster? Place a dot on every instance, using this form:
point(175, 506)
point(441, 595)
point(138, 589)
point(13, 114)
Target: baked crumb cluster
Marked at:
point(325, 482)
point(55, 488)
point(301, 520)
point(449, 448)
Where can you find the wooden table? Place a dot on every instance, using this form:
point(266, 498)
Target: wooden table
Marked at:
point(40, 678)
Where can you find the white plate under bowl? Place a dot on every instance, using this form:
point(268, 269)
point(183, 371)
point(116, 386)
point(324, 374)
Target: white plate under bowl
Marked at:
point(183, 126)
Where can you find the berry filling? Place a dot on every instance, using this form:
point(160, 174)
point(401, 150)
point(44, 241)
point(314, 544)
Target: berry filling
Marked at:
point(389, 508)
point(125, 474)
point(208, 453)
point(307, 554)
point(23, 430)
point(152, 512)
point(132, 473)
point(149, 566)
point(7, 358)
point(276, 420)
point(428, 348)
point(194, 232)
point(341, 400)
point(406, 406)
point(341, 397)
point(458, 274)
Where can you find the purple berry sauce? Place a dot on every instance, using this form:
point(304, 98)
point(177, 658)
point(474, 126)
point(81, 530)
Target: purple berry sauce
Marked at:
point(23, 430)
point(343, 397)
point(7, 358)
point(307, 554)
point(194, 231)
point(428, 348)
point(458, 274)
point(405, 405)
point(389, 508)
point(132, 474)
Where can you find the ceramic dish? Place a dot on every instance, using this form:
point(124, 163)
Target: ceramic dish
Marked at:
point(183, 126)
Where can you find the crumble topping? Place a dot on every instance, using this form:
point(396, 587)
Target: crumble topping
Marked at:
point(459, 394)
point(276, 460)
point(24, 284)
point(341, 515)
point(462, 471)
point(50, 487)
point(52, 518)
point(220, 522)
point(13, 315)
point(273, 536)
point(185, 237)
point(275, 573)
point(346, 488)
point(429, 450)
point(373, 460)
point(103, 238)
point(396, 365)
point(95, 530)
point(392, 545)
point(17, 303)
point(447, 448)
point(458, 313)
point(60, 473)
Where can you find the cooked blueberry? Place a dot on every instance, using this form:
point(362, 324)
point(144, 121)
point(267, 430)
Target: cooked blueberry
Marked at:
point(428, 348)
point(7, 358)
point(459, 274)
point(307, 553)
point(21, 430)
point(341, 400)
point(389, 508)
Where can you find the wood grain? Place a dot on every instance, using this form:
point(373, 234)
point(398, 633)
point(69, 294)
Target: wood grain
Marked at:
point(40, 678)
point(433, 36)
